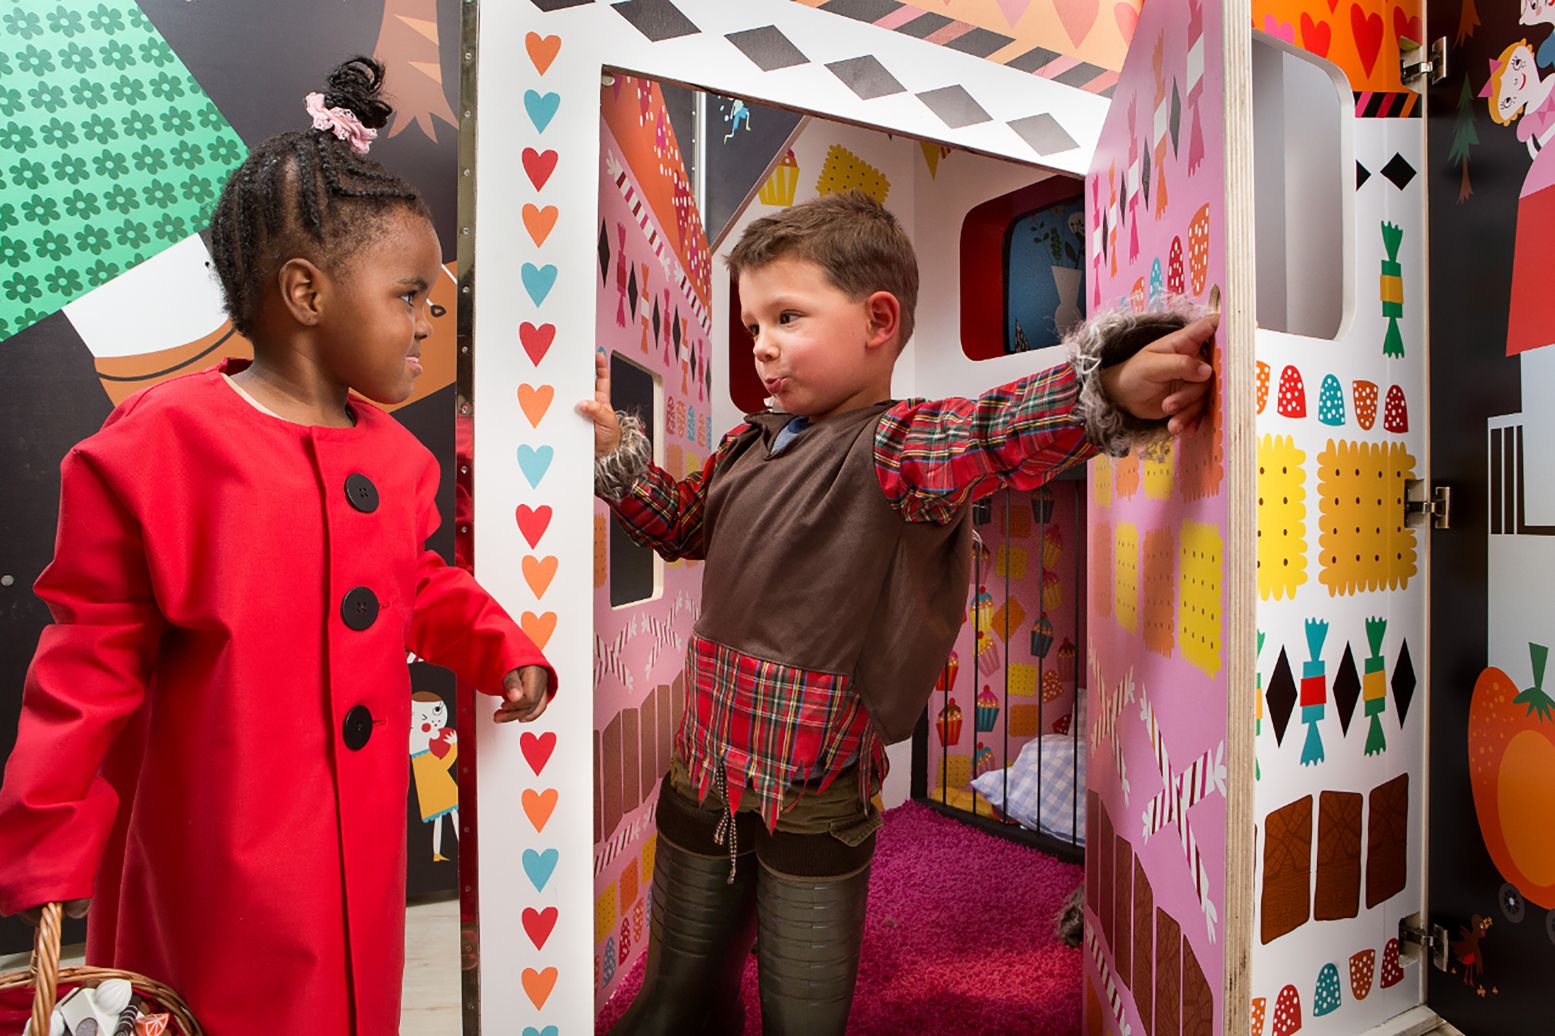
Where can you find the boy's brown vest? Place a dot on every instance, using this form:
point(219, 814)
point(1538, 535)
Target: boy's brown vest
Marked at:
point(808, 565)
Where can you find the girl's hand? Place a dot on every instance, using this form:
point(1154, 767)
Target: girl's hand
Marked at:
point(523, 694)
point(73, 908)
point(607, 430)
point(1168, 378)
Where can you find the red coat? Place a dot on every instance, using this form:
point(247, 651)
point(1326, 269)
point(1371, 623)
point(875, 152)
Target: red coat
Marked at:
point(193, 732)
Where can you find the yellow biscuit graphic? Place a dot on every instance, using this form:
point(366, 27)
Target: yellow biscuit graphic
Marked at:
point(1010, 561)
point(1023, 679)
point(1201, 456)
point(650, 849)
point(1363, 543)
point(1200, 567)
point(1101, 480)
point(1125, 580)
point(1282, 517)
point(1018, 518)
point(843, 171)
point(1125, 472)
point(1101, 569)
point(958, 771)
point(601, 550)
point(1159, 466)
point(1007, 620)
point(1158, 594)
point(674, 460)
point(605, 913)
point(1023, 720)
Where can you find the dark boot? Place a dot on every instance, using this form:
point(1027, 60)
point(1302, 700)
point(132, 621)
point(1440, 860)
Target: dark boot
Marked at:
point(811, 929)
point(700, 932)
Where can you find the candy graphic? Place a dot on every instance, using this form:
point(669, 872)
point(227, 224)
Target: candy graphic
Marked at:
point(1392, 290)
point(1374, 692)
point(1326, 998)
point(1395, 413)
point(1330, 402)
point(1314, 696)
point(1263, 385)
point(1365, 404)
point(1260, 1005)
point(1287, 1012)
point(1258, 725)
point(1392, 973)
point(1198, 250)
point(1052, 687)
point(1362, 966)
point(1292, 400)
point(1174, 278)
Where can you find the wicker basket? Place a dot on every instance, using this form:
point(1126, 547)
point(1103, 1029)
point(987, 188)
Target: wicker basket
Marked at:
point(45, 976)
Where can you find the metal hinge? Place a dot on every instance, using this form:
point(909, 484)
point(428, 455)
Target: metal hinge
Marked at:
point(1410, 63)
point(1417, 506)
point(1412, 932)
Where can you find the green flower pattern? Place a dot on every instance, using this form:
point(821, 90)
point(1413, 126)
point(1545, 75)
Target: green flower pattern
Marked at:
point(109, 150)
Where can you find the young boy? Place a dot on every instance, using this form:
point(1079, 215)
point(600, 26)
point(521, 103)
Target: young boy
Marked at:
point(836, 534)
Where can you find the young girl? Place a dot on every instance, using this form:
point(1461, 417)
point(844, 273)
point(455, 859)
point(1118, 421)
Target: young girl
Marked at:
point(215, 726)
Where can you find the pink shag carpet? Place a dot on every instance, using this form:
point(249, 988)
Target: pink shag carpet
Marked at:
point(959, 938)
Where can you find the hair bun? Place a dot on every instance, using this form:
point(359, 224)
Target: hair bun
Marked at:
point(355, 86)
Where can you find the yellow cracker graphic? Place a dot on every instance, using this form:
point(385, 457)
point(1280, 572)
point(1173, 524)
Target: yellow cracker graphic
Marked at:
point(843, 170)
point(1019, 519)
point(1010, 561)
point(629, 885)
point(1101, 569)
point(1125, 582)
point(605, 913)
point(1200, 567)
point(601, 550)
point(1023, 679)
point(1160, 466)
point(1282, 517)
point(1126, 476)
point(1157, 591)
point(1101, 480)
point(1015, 613)
point(650, 850)
point(1201, 456)
point(1363, 543)
point(674, 460)
point(1023, 720)
point(958, 771)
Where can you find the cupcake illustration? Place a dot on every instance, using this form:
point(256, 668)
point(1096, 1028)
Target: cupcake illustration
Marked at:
point(1052, 547)
point(987, 710)
point(1066, 652)
point(779, 188)
point(1041, 637)
point(947, 673)
point(988, 657)
point(1042, 505)
point(949, 724)
point(982, 760)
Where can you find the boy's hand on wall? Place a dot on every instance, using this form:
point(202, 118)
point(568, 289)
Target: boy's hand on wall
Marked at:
point(1169, 378)
point(524, 695)
point(607, 430)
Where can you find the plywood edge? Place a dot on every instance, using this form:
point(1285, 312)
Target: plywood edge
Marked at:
point(1238, 305)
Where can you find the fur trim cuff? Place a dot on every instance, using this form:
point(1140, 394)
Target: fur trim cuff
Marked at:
point(1106, 340)
point(616, 472)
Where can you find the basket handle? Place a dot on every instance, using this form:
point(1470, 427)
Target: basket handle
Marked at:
point(45, 968)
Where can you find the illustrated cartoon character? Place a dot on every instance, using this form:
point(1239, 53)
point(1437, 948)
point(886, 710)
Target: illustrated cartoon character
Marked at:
point(434, 746)
point(1469, 950)
point(1540, 12)
point(738, 113)
point(1517, 93)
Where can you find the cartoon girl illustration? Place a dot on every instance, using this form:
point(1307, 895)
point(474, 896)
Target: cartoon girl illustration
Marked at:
point(1517, 93)
point(1540, 12)
point(433, 749)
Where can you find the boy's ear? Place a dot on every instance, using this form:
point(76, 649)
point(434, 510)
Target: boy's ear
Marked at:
point(884, 313)
point(302, 289)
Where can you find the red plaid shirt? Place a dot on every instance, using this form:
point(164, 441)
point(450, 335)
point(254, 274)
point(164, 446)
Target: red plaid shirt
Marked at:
point(772, 725)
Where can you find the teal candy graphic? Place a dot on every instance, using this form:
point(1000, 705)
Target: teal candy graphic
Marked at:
point(109, 151)
point(1326, 999)
point(1330, 402)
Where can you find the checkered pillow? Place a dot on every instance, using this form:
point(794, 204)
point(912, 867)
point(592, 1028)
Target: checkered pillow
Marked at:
point(1046, 787)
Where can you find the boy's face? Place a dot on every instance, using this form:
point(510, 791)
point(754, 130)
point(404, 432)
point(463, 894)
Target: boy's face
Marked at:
point(817, 350)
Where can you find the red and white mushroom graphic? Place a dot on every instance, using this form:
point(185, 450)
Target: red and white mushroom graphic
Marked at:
point(1136, 297)
point(1395, 412)
point(1260, 1004)
point(1365, 404)
point(1198, 249)
point(1362, 967)
point(1174, 281)
point(1392, 973)
point(1292, 401)
point(1263, 385)
point(1287, 1012)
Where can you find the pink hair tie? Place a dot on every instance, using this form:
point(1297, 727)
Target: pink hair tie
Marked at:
point(342, 122)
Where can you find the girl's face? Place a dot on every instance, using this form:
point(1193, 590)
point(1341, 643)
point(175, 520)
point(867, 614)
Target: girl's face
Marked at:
point(379, 312)
point(1516, 79)
point(1537, 12)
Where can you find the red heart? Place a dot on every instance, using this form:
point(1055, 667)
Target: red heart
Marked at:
point(541, 164)
point(1368, 35)
point(538, 925)
point(537, 749)
point(533, 521)
point(1407, 28)
point(1316, 36)
point(536, 340)
point(440, 744)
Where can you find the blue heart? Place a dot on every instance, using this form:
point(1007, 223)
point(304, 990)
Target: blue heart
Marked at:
point(538, 280)
point(549, 1030)
point(534, 462)
point(541, 108)
point(539, 867)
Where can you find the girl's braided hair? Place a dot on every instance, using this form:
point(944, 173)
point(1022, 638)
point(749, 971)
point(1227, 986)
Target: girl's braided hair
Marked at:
point(305, 193)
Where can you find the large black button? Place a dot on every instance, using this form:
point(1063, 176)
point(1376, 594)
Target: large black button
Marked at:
point(359, 608)
point(357, 728)
point(362, 493)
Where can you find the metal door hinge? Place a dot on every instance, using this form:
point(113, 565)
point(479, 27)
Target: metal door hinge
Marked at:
point(1418, 506)
point(1414, 63)
point(1413, 932)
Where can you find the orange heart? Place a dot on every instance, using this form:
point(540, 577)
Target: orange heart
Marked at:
point(535, 401)
point(538, 627)
point(542, 50)
point(538, 573)
point(538, 806)
point(538, 984)
point(539, 222)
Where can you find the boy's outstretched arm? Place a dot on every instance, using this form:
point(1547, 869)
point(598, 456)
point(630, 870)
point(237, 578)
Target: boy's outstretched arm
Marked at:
point(656, 511)
point(1168, 378)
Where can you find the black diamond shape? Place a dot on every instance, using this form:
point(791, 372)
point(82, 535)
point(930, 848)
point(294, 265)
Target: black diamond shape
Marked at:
point(1281, 696)
point(675, 329)
point(1078, 75)
point(631, 291)
point(659, 20)
point(866, 77)
point(767, 47)
point(1144, 175)
point(655, 321)
point(1043, 134)
point(980, 42)
point(1175, 122)
point(604, 253)
point(559, 5)
point(1362, 174)
point(1399, 171)
point(1033, 59)
point(954, 106)
point(1403, 683)
point(1347, 689)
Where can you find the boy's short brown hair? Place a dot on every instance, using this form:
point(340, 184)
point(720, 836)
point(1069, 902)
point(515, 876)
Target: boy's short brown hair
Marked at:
point(852, 237)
